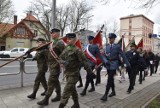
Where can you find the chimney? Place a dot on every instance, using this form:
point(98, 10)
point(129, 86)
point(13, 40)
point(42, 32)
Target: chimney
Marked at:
point(15, 19)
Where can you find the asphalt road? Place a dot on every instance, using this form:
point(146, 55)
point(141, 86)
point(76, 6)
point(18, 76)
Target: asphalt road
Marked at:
point(15, 80)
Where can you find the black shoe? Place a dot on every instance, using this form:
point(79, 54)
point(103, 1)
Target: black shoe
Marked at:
point(32, 96)
point(45, 101)
point(61, 105)
point(91, 90)
point(76, 105)
point(143, 79)
point(104, 97)
point(112, 94)
point(129, 91)
point(57, 98)
point(80, 85)
point(140, 82)
point(83, 93)
point(43, 93)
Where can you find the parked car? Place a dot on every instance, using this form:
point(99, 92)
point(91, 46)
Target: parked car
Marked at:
point(15, 52)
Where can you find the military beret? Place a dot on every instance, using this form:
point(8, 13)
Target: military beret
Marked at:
point(71, 35)
point(40, 39)
point(90, 38)
point(112, 35)
point(55, 30)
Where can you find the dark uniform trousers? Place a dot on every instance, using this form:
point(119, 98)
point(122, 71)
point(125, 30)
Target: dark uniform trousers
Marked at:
point(53, 81)
point(151, 69)
point(132, 73)
point(98, 76)
point(70, 89)
point(40, 78)
point(110, 81)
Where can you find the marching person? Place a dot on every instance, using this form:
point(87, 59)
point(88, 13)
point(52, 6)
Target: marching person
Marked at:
point(55, 48)
point(151, 59)
point(72, 57)
point(157, 59)
point(112, 52)
point(41, 58)
point(142, 66)
point(91, 51)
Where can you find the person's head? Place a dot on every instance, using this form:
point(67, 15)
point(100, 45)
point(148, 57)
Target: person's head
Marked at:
point(90, 39)
point(140, 50)
point(71, 38)
point(111, 37)
point(40, 41)
point(55, 33)
point(133, 46)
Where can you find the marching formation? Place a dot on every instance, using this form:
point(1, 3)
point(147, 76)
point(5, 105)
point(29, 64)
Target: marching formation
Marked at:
point(67, 56)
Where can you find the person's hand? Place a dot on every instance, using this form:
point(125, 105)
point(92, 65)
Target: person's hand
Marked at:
point(65, 63)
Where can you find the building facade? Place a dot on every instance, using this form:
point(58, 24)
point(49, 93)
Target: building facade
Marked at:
point(139, 27)
point(22, 34)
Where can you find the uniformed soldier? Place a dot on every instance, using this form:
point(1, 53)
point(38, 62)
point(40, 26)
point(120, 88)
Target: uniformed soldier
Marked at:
point(72, 57)
point(112, 52)
point(41, 58)
point(55, 48)
point(157, 59)
point(133, 58)
point(92, 51)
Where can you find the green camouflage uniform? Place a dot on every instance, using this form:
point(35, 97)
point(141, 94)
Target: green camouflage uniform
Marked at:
point(74, 57)
point(54, 68)
point(41, 57)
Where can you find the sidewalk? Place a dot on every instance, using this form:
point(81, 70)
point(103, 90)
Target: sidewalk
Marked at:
point(142, 93)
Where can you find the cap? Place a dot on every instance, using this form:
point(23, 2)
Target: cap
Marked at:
point(40, 39)
point(55, 30)
point(112, 35)
point(90, 38)
point(70, 35)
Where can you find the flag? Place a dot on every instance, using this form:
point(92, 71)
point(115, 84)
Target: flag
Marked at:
point(98, 40)
point(140, 44)
point(122, 43)
point(78, 42)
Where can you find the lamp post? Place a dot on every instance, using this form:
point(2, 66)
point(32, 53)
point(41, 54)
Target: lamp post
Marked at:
point(53, 17)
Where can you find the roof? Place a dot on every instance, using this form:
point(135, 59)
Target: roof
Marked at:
point(30, 17)
point(4, 28)
point(133, 16)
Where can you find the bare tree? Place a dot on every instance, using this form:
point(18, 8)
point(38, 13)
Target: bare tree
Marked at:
point(63, 13)
point(79, 12)
point(147, 4)
point(114, 28)
point(6, 10)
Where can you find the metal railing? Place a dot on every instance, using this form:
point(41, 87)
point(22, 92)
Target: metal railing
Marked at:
point(21, 68)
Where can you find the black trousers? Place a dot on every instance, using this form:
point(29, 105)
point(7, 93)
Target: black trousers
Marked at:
point(132, 73)
point(141, 76)
point(110, 81)
point(89, 80)
point(156, 67)
point(98, 76)
point(151, 66)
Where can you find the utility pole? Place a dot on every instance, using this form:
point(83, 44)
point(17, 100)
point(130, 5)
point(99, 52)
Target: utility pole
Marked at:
point(53, 19)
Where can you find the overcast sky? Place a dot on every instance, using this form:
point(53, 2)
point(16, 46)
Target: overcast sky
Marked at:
point(101, 12)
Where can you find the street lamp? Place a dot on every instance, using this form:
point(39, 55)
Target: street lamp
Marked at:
point(53, 17)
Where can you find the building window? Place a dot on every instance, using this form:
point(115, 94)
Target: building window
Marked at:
point(35, 33)
point(20, 31)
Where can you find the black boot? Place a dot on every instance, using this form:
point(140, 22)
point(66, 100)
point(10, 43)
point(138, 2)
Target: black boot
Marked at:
point(32, 96)
point(91, 90)
point(61, 105)
point(83, 93)
point(104, 97)
point(112, 94)
point(57, 98)
point(75, 105)
point(80, 85)
point(43, 93)
point(45, 101)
